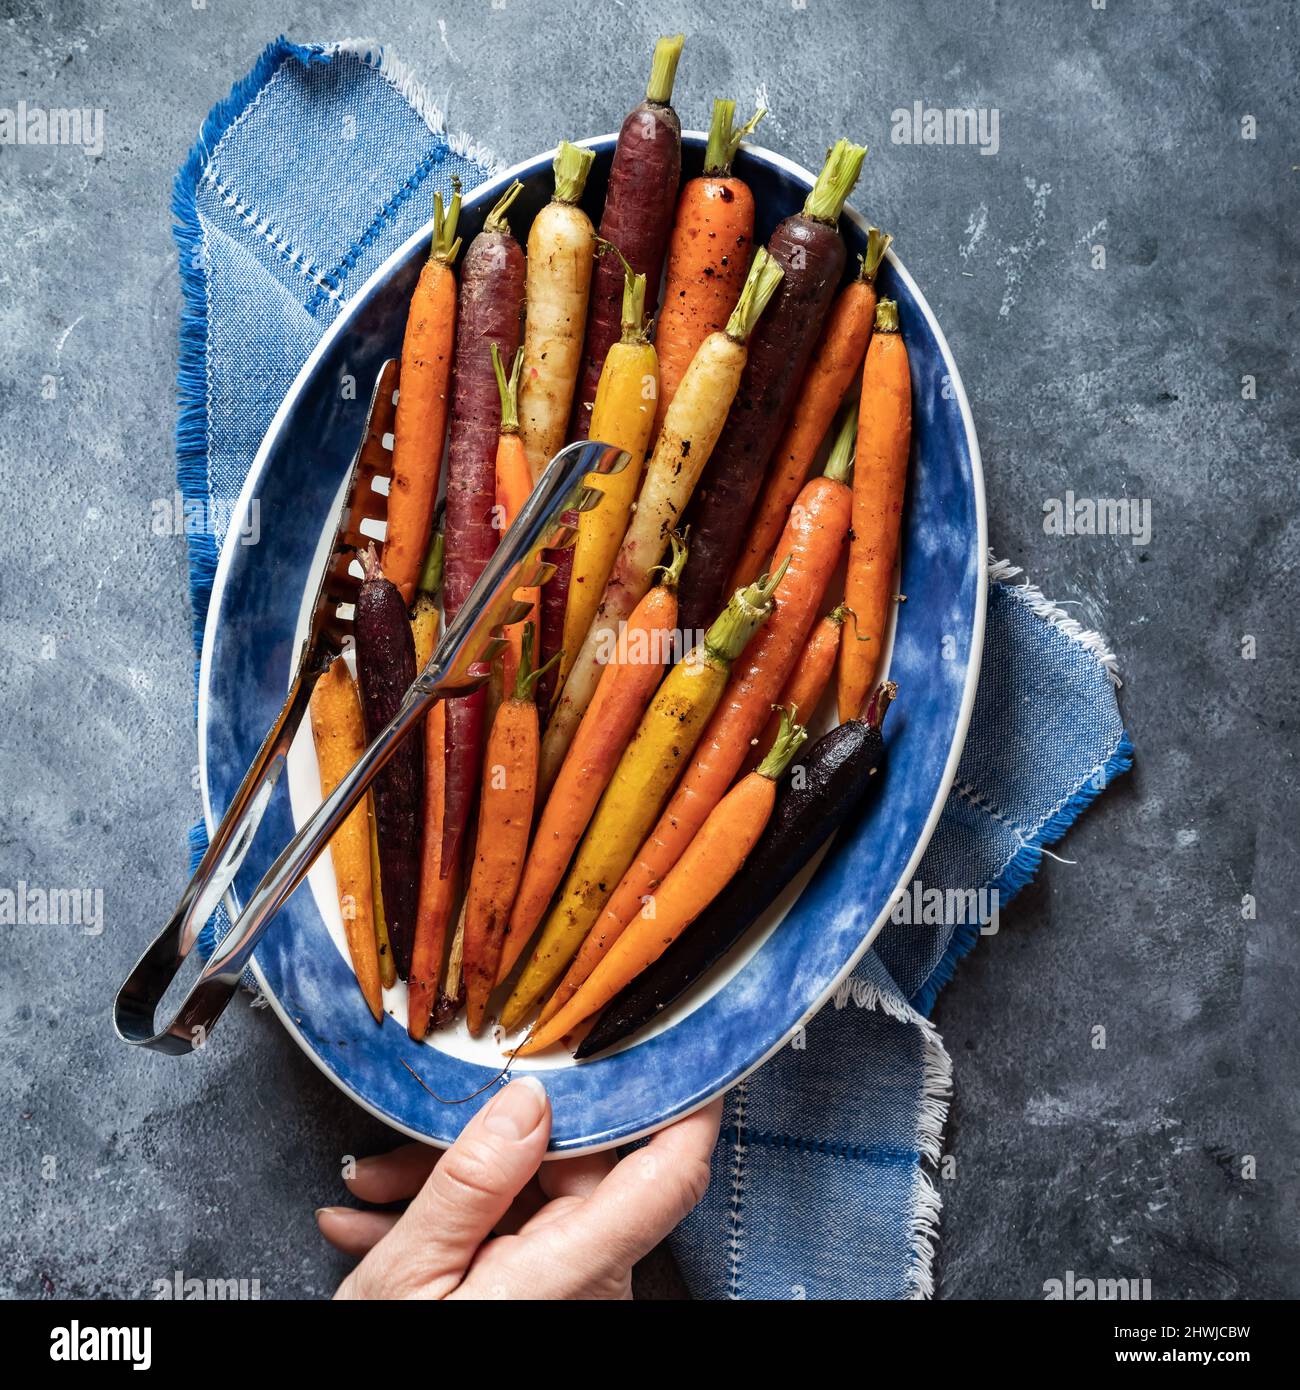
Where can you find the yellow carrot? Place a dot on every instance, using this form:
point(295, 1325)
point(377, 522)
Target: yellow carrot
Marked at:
point(338, 730)
point(623, 416)
point(642, 781)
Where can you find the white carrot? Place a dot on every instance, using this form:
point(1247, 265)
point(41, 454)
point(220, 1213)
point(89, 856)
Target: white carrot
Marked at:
point(690, 430)
point(561, 254)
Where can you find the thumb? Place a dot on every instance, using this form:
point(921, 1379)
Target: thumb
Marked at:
point(428, 1251)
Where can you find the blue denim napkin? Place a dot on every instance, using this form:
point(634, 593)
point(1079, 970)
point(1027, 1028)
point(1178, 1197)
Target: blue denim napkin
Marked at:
point(317, 166)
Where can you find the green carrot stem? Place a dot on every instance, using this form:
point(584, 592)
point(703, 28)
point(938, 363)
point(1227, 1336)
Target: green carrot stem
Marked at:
point(764, 276)
point(839, 462)
point(672, 571)
point(430, 580)
point(508, 389)
point(572, 165)
point(725, 138)
point(887, 316)
point(496, 219)
point(789, 739)
point(745, 613)
point(526, 678)
point(445, 241)
point(634, 324)
point(663, 70)
point(835, 182)
point(877, 245)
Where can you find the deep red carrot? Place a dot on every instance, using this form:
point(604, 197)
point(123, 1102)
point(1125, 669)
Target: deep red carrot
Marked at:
point(490, 311)
point(638, 218)
point(810, 250)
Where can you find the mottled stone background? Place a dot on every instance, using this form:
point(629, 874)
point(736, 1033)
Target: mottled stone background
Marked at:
point(1119, 127)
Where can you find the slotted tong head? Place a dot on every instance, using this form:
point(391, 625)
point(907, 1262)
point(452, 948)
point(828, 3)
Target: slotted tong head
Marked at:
point(458, 666)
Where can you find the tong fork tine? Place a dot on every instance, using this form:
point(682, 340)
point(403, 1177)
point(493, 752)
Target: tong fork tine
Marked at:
point(547, 521)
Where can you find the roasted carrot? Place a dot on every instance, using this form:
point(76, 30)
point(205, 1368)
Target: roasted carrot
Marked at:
point(623, 416)
point(385, 670)
point(879, 481)
point(833, 370)
point(626, 685)
point(708, 255)
point(514, 483)
point(809, 248)
point(490, 311)
point(505, 818)
point(561, 253)
point(637, 218)
point(339, 733)
point(808, 681)
point(707, 865)
point(424, 386)
point(836, 777)
point(690, 431)
point(644, 777)
point(812, 541)
point(387, 965)
point(437, 893)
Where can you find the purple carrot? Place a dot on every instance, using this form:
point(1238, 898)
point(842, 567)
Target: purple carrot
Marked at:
point(810, 250)
point(490, 311)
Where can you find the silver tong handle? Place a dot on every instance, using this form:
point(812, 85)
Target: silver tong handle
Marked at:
point(456, 668)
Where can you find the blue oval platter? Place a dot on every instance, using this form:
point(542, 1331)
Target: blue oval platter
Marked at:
point(792, 961)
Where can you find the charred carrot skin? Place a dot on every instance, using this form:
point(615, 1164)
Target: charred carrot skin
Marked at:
point(422, 403)
point(879, 484)
point(490, 311)
point(708, 865)
point(708, 255)
point(835, 368)
point(838, 774)
point(811, 252)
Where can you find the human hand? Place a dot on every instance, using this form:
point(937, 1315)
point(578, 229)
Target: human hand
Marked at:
point(570, 1228)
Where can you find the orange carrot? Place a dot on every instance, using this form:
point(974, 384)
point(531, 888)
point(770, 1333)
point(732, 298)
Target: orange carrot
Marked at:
point(514, 483)
point(831, 372)
point(808, 680)
point(505, 818)
point(421, 422)
point(880, 478)
point(626, 685)
point(437, 893)
point(813, 540)
point(708, 256)
point(707, 865)
point(340, 737)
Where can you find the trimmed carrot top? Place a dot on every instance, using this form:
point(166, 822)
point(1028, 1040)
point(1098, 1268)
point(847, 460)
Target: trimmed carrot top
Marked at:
point(663, 69)
point(496, 219)
point(725, 137)
point(835, 182)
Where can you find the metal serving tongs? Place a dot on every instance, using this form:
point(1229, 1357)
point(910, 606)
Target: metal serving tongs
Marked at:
point(458, 665)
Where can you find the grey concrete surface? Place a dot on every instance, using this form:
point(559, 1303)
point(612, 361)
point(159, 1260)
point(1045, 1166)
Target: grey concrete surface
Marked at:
point(1119, 127)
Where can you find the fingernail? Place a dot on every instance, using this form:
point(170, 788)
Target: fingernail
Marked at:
point(518, 1110)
